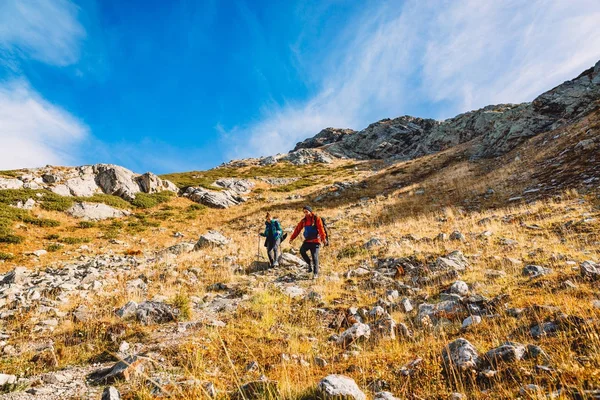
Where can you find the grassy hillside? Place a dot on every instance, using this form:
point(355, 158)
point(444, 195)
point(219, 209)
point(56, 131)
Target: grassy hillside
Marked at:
point(505, 224)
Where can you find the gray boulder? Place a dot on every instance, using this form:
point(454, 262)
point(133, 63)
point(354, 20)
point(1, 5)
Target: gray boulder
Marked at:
point(116, 180)
point(211, 239)
point(150, 183)
point(454, 261)
point(340, 387)
point(356, 332)
point(505, 353)
point(589, 270)
point(290, 260)
point(460, 288)
point(459, 356)
point(95, 211)
point(215, 199)
point(535, 270)
point(239, 186)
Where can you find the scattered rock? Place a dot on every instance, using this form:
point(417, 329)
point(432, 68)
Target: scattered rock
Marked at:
point(356, 332)
point(505, 353)
point(589, 270)
point(535, 270)
point(460, 288)
point(340, 387)
point(111, 393)
point(123, 370)
point(459, 356)
point(95, 211)
point(471, 320)
point(211, 239)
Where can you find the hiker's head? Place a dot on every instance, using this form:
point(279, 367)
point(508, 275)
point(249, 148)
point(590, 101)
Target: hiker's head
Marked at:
point(307, 210)
point(268, 216)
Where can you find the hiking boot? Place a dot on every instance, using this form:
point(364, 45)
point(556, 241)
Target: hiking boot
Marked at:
point(315, 276)
point(275, 264)
point(309, 270)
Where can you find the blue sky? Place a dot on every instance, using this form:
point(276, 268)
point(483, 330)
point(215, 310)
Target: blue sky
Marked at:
point(181, 85)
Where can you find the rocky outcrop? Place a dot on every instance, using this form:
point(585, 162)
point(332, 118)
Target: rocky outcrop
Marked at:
point(88, 180)
point(239, 186)
point(213, 198)
point(339, 387)
point(95, 211)
point(500, 128)
point(326, 136)
point(308, 156)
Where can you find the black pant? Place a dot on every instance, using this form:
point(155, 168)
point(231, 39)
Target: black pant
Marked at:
point(273, 251)
point(314, 252)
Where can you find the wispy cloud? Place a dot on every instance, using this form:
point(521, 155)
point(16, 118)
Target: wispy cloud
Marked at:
point(446, 57)
point(43, 30)
point(34, 132)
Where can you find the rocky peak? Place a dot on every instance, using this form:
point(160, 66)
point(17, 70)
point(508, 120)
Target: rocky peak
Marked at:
point(326, 136)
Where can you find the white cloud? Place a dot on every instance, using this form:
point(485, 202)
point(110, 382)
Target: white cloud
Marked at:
point(446, 57)
point(34, 132)
point(44, 30)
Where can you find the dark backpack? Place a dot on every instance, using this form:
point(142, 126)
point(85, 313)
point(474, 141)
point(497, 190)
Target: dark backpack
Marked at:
point(324, 228)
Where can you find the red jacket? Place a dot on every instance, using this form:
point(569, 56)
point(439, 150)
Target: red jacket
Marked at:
point(308, 222)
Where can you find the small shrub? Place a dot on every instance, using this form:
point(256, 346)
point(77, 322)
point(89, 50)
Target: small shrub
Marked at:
point(297, 185)
point(351, 252)
point(74, 240)
point(54, 202)
point(11, 239)
point(53, 236)
point(51, 248)
point(196, 207)
point(86, 224)
point(149, 200)
point(183, 303)
point(41, 222)
point(108, 199)
point(6, 256)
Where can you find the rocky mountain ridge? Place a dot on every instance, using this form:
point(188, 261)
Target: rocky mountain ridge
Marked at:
point(88, 180)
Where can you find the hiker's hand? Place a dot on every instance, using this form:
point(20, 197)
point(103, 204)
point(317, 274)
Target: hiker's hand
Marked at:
point(326, 242)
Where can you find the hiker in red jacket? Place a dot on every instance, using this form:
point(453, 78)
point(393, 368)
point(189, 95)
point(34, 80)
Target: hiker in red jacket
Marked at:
point(314, 235)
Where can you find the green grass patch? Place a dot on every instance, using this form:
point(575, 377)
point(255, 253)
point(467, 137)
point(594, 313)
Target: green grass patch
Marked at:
point(13, 173)
point(108, 199)
point(11, 239)
point(41, 222)
point(6, 256)
point(182, 302)
point(299, 184)
point(53, 236)
point(51, 248)
point(351, 252)
point(149, 200)
point(74, 240)
point(86, 224)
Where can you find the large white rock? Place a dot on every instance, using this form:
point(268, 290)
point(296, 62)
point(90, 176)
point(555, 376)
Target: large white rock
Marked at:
point(95, 211)
point(116, 180)
point(9, 183)
point(213, 198)
point(151, 183)
point(340, 387)
point(84, 186)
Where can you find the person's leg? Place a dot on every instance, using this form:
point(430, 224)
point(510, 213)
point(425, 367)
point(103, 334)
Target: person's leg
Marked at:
point(314, 252)
point(270, 247)
point(303, 252)
point(276, 252)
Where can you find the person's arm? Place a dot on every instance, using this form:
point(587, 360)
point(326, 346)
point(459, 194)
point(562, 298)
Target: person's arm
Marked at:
point(264, 234)
point(321, 230)
point(279, 229)
point(297, 230)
